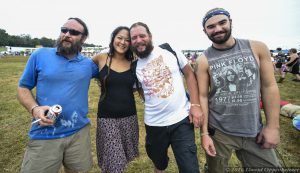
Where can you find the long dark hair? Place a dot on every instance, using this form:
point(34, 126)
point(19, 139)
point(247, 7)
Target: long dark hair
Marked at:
point(128, 55)
point(111, 52)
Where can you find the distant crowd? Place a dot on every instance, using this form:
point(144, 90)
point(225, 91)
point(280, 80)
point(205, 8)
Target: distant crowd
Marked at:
point(286, 62)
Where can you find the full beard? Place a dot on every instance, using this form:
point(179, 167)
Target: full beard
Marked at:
point(220, 40)
point(73, 49)
point(146, 52)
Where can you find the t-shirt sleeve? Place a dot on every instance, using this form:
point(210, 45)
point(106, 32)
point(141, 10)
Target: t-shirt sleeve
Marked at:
point(95, 70)
point(181, 58)
point(29, 76)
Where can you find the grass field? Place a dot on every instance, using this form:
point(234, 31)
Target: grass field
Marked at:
point(2, 48)
point(15, 123)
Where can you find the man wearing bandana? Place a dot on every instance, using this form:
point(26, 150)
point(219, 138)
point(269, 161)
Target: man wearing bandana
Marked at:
point(232, 119)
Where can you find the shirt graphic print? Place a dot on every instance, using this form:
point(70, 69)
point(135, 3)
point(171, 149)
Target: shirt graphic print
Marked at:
point(158, 79)
point(234, 79)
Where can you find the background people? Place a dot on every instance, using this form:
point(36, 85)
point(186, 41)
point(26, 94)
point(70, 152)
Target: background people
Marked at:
point(61, 76)
point(280, 59)
point(231, 118)
point(117, 125)
point(292, 65)
point(166, 105)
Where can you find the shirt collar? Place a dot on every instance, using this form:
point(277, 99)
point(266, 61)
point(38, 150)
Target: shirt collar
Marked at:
point(77, 58)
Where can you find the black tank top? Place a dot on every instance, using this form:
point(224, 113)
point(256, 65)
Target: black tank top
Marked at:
point(119, 99)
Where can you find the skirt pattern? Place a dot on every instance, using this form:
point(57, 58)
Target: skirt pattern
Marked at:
point(116, 143)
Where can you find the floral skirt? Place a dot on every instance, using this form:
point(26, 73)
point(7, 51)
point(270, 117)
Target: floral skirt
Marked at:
point(117, 143)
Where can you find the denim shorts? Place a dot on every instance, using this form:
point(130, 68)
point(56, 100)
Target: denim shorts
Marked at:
point(181, 137)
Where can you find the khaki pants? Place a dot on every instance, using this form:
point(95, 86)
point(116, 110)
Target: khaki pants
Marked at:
point(47, 156)
point(247, 150)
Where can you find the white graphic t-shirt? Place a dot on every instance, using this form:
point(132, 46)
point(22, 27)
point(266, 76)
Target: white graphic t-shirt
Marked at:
point(165, 99)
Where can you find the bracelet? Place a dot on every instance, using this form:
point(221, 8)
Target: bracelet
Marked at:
point(195, 105)
point(32, 108)
point(203, 134)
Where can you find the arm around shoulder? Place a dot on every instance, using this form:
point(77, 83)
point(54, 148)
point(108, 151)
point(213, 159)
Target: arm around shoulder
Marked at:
point(100, 59)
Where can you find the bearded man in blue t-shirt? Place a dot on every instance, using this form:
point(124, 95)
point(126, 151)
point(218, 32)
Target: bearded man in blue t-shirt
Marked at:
point(61, 76)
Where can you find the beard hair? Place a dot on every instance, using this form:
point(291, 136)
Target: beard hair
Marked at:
point(223, 40)
point(74, 49)
point(146, 52)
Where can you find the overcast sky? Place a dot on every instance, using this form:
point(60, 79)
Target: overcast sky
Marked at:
point(275, 22)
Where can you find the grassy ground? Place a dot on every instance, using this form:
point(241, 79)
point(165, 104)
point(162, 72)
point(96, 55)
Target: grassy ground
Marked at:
point(2, 48)
point(15, 122)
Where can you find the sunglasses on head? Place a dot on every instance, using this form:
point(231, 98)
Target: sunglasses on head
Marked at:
point(71, 31)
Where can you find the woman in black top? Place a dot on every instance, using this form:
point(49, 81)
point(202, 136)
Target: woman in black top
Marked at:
point(117, 125)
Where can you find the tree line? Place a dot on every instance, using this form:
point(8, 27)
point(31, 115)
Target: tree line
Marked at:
point(25, 40)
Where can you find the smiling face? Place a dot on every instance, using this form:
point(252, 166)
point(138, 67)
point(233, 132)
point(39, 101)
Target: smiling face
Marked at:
point(141, 41)
point(68, 43)
point(218, 29)
point(121, 41)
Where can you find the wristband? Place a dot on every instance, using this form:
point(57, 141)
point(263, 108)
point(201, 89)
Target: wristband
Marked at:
point(203, 134)
point(195, 105)
point(32, 108)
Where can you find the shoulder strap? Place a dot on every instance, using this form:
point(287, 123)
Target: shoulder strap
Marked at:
point(169, 48)
point(136, 81)
point(107, 56)
point(133, 67)
point(133, 71)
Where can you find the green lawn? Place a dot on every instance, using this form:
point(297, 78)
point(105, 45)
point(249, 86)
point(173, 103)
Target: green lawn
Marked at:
point(2, 49)
point(15, 122)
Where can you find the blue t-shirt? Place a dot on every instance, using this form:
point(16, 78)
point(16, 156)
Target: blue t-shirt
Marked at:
point(59, 80)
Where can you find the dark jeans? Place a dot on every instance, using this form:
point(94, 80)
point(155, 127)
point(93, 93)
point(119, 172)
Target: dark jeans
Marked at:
point(181, 137)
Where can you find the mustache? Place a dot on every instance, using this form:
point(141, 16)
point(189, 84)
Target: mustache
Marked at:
point(66, 39)
point(140, 44)
point(217, 33)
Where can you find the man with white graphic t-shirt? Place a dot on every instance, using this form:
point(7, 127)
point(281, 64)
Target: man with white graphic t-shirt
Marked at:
point(169, 116)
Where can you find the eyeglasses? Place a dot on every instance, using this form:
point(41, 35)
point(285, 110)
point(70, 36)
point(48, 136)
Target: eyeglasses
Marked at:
point(71, 31)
